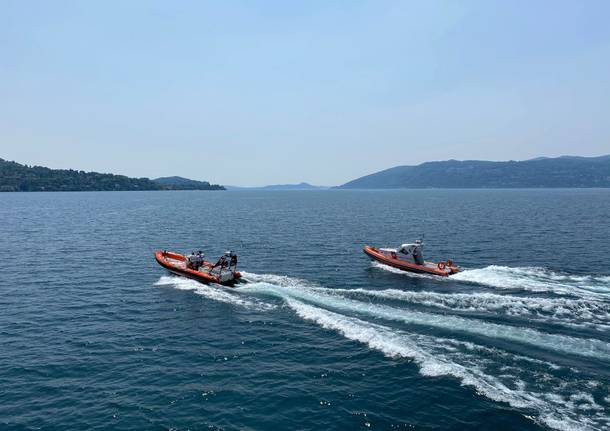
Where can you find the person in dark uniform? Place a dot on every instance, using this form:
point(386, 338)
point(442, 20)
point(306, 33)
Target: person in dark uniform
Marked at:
point(199, 259)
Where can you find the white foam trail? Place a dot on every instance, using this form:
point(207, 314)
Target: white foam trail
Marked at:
point(563, 311)
point(391, 269)
point(438, 356)
point(537, 280)
point(215, 292)
point(560, 396)
point(533, 279)
point(280, 280)
point(324, 297)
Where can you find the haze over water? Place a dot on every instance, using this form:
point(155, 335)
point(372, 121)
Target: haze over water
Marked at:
point(95, 335)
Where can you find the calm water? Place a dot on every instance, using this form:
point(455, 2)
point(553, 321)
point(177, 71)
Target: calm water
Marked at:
point(94, 334)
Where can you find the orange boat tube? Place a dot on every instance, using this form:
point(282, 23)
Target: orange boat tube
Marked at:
point(207, 273)
point(391, 258)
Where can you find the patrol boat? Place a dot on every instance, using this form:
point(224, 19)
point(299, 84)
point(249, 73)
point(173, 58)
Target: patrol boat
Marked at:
point(409, 257)
point(224, 271)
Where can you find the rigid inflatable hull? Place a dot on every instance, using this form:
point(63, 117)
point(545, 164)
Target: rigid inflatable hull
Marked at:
point(377, 255)
point(167, 260)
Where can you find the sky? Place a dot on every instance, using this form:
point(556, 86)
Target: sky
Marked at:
point(266, 92)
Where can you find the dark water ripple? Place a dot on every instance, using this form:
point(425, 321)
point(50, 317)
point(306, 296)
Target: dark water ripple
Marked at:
point(96, 336)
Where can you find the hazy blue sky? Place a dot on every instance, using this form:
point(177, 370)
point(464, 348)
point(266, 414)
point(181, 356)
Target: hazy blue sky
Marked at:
point(253, 92)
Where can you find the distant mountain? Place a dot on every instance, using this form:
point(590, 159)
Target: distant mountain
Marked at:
point(565, 171)
point(15, 177)
point(300, 186)
point(180, 183)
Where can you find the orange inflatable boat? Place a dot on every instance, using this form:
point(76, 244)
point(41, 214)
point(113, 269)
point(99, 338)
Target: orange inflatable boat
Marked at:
point(222, 272)
point(406, 262)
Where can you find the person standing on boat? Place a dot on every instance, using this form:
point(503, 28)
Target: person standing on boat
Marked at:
point(418, 252)
point(199, 259)
point(414, 251)
point(190, 260)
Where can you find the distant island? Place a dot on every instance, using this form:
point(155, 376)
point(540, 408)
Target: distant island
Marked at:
point(542, 172)
point(180, 183)
point(15, 177)
point(300, 186)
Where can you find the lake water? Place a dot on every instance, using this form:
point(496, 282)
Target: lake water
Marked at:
point(95, 335)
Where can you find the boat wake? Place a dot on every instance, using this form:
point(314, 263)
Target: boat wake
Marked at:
point(538, 280)
point(484, 339)
point(537, 386)
point(553, 393)
point(214, 292)
point(568, 312)
point(532, 279)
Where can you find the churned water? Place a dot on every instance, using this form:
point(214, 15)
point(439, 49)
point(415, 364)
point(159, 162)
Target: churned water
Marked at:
point(95, 335)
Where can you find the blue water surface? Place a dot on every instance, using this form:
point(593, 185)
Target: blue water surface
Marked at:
point(95, 335)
